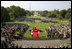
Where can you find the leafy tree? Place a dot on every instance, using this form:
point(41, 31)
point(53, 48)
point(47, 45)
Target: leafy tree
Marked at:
point(63, 13)
point(16, 11)
point(4, 15)
point(59, 16)
point(44, 13)
point(51, 15)
point(68, 15)
point(29, 13)
point(11, 13)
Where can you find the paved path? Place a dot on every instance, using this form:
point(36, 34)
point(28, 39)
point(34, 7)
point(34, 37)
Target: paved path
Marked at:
point(41, 43)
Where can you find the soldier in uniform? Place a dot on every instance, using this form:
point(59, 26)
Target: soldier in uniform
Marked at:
point(34, 32)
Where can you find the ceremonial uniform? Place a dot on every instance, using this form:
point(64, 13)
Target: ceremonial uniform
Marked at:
point(34, 33)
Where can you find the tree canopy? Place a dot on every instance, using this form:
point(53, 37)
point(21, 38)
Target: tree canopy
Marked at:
point(4, 15)
point(16, 11)
point(12, 12)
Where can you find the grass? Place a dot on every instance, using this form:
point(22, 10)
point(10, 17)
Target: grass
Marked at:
point(39, 25)
point(35, 17)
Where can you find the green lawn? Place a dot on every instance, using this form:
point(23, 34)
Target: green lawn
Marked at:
point(35, 17)
point(39, 25)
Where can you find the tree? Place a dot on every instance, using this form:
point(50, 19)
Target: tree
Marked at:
point(11, 13)
point(29, 13)
point(53, 14)
point(68, 15)
point(59, 16)
point(4, 15)
point(44, 13)
point(16, 11)
point(63, 13)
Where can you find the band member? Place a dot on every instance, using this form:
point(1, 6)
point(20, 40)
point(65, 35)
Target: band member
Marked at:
point(34, 32)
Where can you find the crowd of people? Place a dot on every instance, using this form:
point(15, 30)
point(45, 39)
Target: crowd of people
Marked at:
point(8, 44)
point(58, 31)
point(8, 30)
point(54, 31)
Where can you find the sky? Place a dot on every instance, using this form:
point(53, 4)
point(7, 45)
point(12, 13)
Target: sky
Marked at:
point(38, 5)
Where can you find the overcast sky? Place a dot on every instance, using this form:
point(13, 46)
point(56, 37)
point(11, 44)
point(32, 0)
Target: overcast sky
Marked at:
point(39, 5)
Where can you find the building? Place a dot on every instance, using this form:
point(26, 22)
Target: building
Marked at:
point(36, 13)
